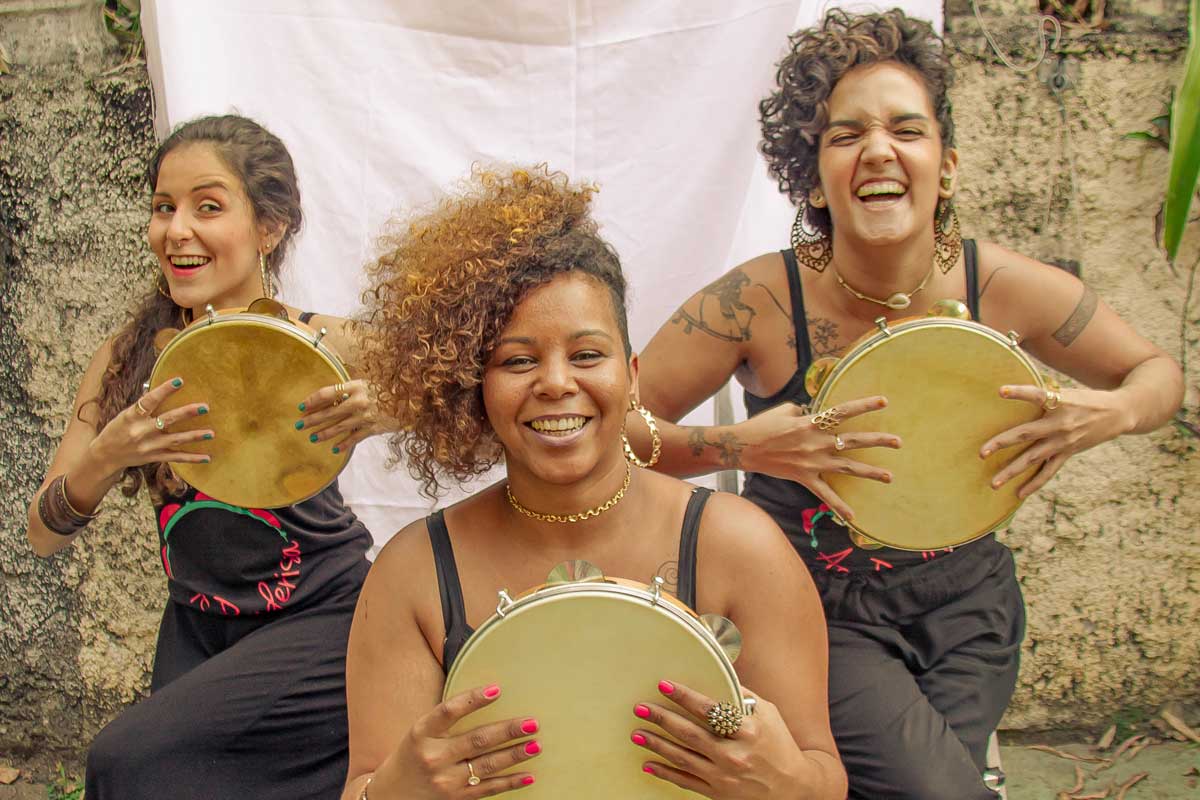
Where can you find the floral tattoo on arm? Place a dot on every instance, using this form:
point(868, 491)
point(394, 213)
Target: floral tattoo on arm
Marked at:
point(728, 447)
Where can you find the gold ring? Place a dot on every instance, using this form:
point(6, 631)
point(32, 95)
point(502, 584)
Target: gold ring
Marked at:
point(828, 419)
point(473, 780)
point(158, 423)
point(1052, 400)
point(141, 409)
point(838, 444)
point(725, 719)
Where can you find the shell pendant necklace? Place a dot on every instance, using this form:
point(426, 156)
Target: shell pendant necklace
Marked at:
point(898, 301)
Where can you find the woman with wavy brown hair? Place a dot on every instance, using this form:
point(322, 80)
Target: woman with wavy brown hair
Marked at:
point(497, 332)
point(924, 646)
point(248, 689)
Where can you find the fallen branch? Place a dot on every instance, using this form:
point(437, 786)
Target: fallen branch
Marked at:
point(1181, 726)
point(1054, 751)
point(1127, 785)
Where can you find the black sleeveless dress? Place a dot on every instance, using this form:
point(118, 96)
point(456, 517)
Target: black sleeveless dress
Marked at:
point(248, 694)
point(924, 647)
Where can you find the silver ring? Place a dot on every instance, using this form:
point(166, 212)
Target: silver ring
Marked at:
point(749, 704)
point(473, 780)
point(158, 423)
point(838, 443)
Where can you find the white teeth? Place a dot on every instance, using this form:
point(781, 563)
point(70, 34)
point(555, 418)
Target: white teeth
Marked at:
point(188, 261)
point(880, 187)
point(560, 425)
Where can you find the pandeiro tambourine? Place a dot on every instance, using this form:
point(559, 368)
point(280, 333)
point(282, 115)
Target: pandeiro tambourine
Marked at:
point(578, 653)
point(252, 367)
point(941, 375)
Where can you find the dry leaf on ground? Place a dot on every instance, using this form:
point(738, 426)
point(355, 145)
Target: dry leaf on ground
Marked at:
point(9, 775)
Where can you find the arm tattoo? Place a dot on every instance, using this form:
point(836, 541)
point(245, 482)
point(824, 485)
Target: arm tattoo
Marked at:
point(669, 572)
point(988, 282)
point(729, 449)
point(734, 315)
point(823, 335)
point(1080, 317)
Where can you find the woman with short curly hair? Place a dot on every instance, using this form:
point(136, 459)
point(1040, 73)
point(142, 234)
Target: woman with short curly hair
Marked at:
point(496, 331)
point(924, 646)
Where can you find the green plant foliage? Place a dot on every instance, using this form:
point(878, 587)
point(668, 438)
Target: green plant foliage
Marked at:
point(64, 787)
point(1185, 142)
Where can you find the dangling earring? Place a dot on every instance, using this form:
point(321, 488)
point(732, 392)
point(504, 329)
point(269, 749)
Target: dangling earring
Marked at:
point(947, 238)
point(267, 286)
point(810, 244)
point(158, 284)
point(655, 439)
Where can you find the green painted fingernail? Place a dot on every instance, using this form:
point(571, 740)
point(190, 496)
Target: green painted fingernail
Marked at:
point(302, 406)
point(312, 437)
point(299, 424)
point(202, 410)
point(206, 461)
point(177, 383)
point(336, 450)
point(208, 436)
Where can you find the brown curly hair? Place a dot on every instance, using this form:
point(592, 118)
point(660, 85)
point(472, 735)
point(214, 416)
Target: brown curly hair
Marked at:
point(443, 290)
point(794, 116)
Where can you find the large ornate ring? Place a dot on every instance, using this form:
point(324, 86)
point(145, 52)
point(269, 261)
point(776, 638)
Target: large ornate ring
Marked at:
point(141, 409)
point(725, 719)
point(473, 779)
point(828, 419)
point(158, 423)
point(1052, 400)
point(340, 394)
point(838, 443)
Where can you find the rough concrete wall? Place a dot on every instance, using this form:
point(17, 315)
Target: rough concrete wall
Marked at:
point(1108, 553)
point(77, 630)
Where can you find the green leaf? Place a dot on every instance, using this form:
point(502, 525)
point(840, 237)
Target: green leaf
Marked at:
point(1141, 136)
point(1185, 142)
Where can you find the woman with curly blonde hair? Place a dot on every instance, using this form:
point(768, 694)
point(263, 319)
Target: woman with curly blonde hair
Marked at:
point(924, 646)
point(497, 332)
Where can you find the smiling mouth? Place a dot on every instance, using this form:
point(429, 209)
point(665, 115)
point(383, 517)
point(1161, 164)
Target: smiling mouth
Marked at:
point(880, 191)
point(558, 426)
point(188, 263)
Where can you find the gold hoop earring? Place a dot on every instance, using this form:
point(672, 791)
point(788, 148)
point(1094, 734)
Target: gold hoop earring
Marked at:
point(947, 237)
point(267, 286)
point(812, 247)
point(655, 438)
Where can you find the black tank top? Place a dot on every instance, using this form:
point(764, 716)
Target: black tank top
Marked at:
point(808, 523)
point(454, 616)
point(230, 561)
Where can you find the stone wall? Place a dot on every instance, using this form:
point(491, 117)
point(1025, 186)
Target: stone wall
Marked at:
point(1108, 554)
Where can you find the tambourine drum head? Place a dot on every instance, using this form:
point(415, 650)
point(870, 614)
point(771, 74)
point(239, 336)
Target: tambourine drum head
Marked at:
point(942, 381)
point(579, 663)
point(252, 374)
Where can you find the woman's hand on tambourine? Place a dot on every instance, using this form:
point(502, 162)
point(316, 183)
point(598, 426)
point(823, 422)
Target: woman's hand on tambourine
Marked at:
point(341, 415)
point(788, 442)
point(1074, 420)
point(141, 435)
point(432, 763)
point(752, 763)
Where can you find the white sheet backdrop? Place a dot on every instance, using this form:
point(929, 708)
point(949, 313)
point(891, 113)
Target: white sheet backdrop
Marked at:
point(383, 103)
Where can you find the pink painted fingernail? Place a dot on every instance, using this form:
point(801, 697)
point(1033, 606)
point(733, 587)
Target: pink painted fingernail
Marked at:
point(529, 726)
point(666, 687)
point(491, 691)
point(532, 748)
point(648, 769)
point(642, 711)
point(527, 780)
point(638, 739)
